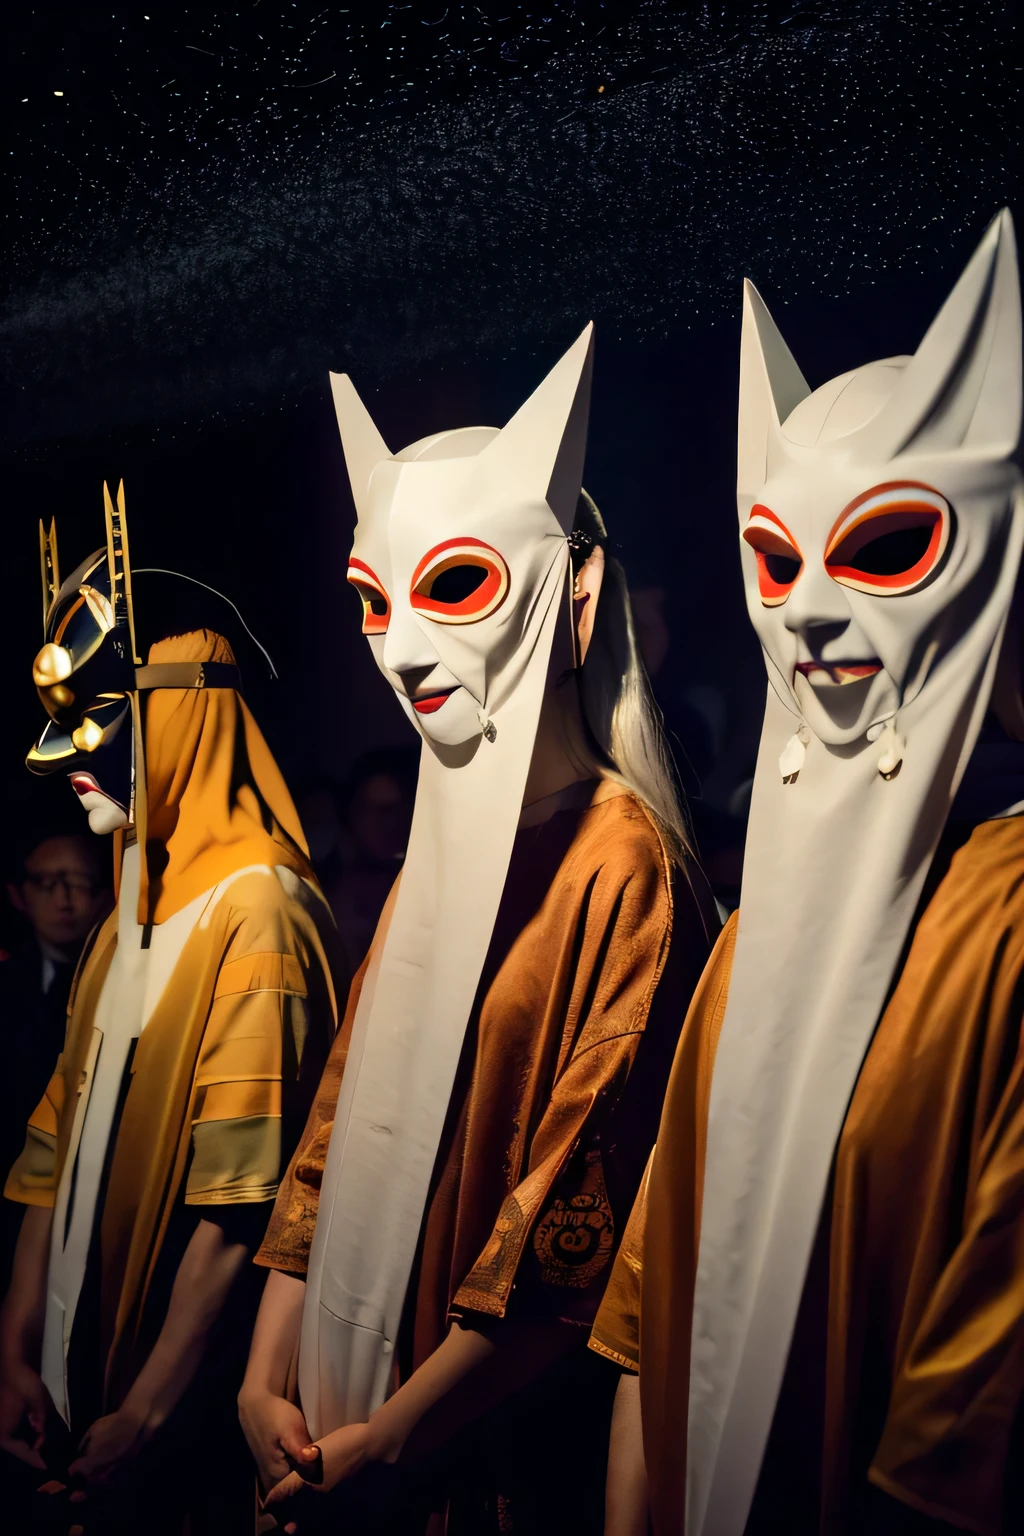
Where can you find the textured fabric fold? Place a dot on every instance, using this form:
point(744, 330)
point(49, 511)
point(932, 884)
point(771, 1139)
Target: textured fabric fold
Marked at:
point(918, 1312)
point(616, 1330)
point(216, 801)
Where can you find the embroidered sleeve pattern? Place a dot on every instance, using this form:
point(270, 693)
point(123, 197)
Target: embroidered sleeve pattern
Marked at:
point(559, 1209)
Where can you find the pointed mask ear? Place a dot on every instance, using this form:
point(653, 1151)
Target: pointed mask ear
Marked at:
point(771, 385)
point(546, 440)
point(962, 388)
point(363, 445)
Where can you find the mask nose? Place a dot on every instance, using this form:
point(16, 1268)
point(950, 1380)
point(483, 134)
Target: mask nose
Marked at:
point(408, 654)
point(816, 607)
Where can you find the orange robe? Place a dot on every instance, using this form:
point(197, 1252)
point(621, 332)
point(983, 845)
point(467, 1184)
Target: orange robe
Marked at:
point(596, 949)
point(907, 1366)
point(220, 1079)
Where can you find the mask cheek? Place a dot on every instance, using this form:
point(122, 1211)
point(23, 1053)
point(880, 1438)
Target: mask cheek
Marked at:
point(897, 630)
point(376, 644)
point(468, 653)
point(778, 641)
point(489, 657)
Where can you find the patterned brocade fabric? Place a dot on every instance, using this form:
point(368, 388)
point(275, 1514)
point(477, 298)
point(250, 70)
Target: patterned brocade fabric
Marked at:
point(551, 1117)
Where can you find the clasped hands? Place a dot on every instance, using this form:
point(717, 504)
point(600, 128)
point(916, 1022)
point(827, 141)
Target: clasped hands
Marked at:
point(30, 1431)
point(296, 1469)
point(27, 1416)
point(319, 1468)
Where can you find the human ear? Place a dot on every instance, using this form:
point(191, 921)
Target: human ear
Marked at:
point(586, 593)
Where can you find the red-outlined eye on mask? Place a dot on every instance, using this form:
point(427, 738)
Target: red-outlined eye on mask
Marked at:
point(459, 582)
point(890, 539)
point(376, 603)
point(779, 561)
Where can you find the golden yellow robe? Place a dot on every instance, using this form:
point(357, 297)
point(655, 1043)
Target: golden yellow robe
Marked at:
point(218, 1092)
point(595, 950)
point(907, 1365)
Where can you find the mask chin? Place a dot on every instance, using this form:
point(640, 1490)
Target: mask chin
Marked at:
point(840, 713)
point(455, 724)
point(105, 815)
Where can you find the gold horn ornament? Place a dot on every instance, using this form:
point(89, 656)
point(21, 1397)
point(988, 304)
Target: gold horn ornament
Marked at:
point(49, 566)
point(119, 565)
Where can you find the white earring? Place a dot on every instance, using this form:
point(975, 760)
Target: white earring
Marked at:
point(488, 727)
point(793, 753)
point(893, 747)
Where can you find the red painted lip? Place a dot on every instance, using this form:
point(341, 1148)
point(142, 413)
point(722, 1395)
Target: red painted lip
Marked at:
point(432, 703)
point(84, 784)
point(839, 671)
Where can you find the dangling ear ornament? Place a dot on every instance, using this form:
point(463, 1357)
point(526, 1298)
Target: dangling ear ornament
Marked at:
point(487, 726)
point(893, 747)
point(793, 753)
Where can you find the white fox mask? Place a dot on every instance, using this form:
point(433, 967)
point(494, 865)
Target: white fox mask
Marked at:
point(869, 510)
point(456, 537)
point(881, 520)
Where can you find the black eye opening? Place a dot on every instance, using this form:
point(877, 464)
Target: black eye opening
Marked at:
point(377, 605)
point(892, 553)
point(457, 583)
point(782, 569)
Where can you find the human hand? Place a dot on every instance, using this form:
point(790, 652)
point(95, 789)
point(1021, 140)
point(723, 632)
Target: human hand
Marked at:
point(23, 1413)
point(108, 1449)
point(319, 1468)
point(276, 1431)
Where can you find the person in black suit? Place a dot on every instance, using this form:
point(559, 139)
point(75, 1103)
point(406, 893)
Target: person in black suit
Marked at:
point(61, 888)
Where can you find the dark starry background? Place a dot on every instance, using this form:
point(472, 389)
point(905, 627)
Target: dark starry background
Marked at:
point(209, 207)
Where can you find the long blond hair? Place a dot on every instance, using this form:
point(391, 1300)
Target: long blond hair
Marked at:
point(624, 722)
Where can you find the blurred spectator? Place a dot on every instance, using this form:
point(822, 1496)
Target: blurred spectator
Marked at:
point(374, 808)
point(651, 627)
point(60, 885)
point(317, 803)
